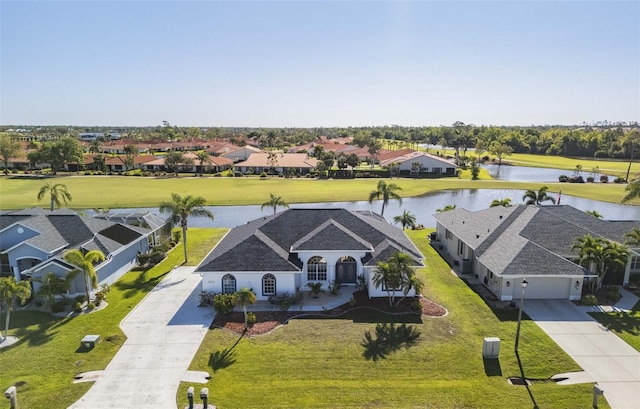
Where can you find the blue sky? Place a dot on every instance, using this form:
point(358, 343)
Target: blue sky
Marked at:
point(308, 64)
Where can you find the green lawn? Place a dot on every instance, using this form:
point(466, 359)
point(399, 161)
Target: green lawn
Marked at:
point(121, 191)
point(313, 363)
point(45, 359)
point(624, 325)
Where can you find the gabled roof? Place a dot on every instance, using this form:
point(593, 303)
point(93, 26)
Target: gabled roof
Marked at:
point(271, 243)
point(284, 160)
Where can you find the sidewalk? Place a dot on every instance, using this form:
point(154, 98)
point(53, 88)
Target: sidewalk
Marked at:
point(164, 332)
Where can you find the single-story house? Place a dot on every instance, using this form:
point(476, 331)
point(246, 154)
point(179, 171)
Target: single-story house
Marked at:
point(33, 243)
point(241, 153)
point(260, 162)
point(428, 163)
point(286, 251)
point(504, 245)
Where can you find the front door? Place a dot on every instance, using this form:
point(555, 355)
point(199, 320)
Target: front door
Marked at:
point(346, 272)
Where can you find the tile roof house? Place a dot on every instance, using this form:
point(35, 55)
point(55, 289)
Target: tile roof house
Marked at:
point(504, 245)
point(259, 162)
point(33, 242)
point(285, 251)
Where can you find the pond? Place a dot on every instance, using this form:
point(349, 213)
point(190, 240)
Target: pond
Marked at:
point(527, 174)
point(423, 207)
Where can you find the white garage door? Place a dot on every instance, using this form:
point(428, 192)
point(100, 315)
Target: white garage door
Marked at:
point(547, 288)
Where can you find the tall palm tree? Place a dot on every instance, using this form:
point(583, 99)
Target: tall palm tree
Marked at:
point(180, 209)
point(84, 264)
point(501, 202)
point(602, 255)
point(273, 202)
point(244, 297)
point(50, 286)
point(10, 291)
point(405, 219)
point(385, 192)
point(633, 237)
point(634, 190)
point(531, 197)
point(58, 193)
point(203, 157)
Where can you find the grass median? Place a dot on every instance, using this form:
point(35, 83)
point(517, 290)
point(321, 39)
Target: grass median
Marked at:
point(46, 358)
point(322, 363)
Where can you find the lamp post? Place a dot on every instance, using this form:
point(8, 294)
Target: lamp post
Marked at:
point(523, 285)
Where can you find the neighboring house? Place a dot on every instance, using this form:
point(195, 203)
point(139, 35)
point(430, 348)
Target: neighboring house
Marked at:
point(259, 162)
point(285, 251)
point(504, 245)
point(159, 228)
point(241, 153)
point(428, 163)
point(33, 243)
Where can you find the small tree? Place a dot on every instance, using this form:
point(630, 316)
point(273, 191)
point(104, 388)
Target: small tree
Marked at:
point(405, 219)
point(274, 202)
point(50, 286)
point(84, 264)
point(500, 150)
point(531, 197)
point(57, 192)
point(396, 274)
point(10, 292)
point(244, 297)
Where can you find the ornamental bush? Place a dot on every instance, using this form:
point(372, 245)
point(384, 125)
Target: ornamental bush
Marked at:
point(224, 303)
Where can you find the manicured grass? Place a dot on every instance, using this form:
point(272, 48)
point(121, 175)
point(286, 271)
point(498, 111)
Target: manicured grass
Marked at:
point(121, 191)
point(609, 167)
point(46, 357)
point(321, 363)
point(624, 325)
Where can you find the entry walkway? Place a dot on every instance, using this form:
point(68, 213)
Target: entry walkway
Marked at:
point(163, 332)
point(605, 358)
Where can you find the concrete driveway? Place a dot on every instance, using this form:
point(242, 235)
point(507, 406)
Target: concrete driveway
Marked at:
point(605, 358)
point(164, 332)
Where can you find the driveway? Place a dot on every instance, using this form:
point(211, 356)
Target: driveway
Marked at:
point(163, 332)
point(605, 358)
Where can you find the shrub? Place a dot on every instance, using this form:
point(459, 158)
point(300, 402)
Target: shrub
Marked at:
point(352, 302)
point(604, 179)
point(77, 307)
point(563, 178)
point(361, 283)
point(205, 298)
point(618, 180)
point(285, 300)
point(612, 294)
point(590, 179)
point(224, 303)
point(91, 306)
point(589, 299)
point(176, 236)
point(416, 305)
point(263, 175)
point(316, 289)
point(81, 298)
point(334, 287)
point(59, 306)
point(251, 319)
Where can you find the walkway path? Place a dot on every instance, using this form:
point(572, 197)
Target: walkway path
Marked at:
point(163, 332)
point(605, 358)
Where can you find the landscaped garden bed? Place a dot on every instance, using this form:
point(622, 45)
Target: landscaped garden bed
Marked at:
point(267, 321)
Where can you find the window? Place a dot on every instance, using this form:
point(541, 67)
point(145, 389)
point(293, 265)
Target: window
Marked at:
point(268, 284)
point(316, 269)
point(437, 171)
point(228, 284)
point(448, 235)
point(635, 263)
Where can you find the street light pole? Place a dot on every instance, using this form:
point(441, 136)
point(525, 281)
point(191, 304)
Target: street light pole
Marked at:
point(523, 285)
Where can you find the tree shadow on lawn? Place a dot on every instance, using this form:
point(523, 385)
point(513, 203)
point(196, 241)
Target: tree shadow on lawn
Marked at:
point(619, 322)
point(223, 358)
point(140, 284)
point(366, 315)
point(388, 338)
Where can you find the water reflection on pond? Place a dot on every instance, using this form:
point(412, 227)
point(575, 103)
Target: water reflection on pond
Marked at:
point(423, 207)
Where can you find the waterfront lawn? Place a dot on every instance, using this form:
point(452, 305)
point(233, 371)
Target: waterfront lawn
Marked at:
point(624, 325)
point(125, 192)
point(322, 363)
point(46, 358)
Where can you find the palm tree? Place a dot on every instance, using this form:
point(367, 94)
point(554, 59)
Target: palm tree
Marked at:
point(406, 219)
point(84, 263)
point(396, 274)
point(531, 197)
point(602, 255)
point(10, 291)
point(57, 192)
point(244, 297)
point(498, 202)
point(594, 213)
point(203, 157)
point(386, 192)
point(634, 190)
point(50, 286)
point(446, 208)
point(633, 237)
point(180, 209)
point(273, 202)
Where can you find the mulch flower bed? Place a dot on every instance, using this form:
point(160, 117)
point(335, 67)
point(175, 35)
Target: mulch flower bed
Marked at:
point(269, 320)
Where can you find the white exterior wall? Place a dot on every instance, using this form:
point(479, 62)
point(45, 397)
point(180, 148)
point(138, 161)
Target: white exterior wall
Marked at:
point(331, 258)
point(562, 288)
point(285, 281)
point(427, 164)
point(378, 291)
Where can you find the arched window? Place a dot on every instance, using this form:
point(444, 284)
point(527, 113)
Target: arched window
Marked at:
point(228, 284)
point(316, 269)
point(268, 284)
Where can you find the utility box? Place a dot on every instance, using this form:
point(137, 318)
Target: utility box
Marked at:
point(90, 341)
point(491, 348)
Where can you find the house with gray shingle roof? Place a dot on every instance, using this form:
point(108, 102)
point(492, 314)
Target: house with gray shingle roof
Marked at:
point(286, 251)
point(504, 245)
point(33, 242)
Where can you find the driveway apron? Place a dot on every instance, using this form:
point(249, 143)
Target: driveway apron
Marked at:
point(606, 358)
point(163, 332)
